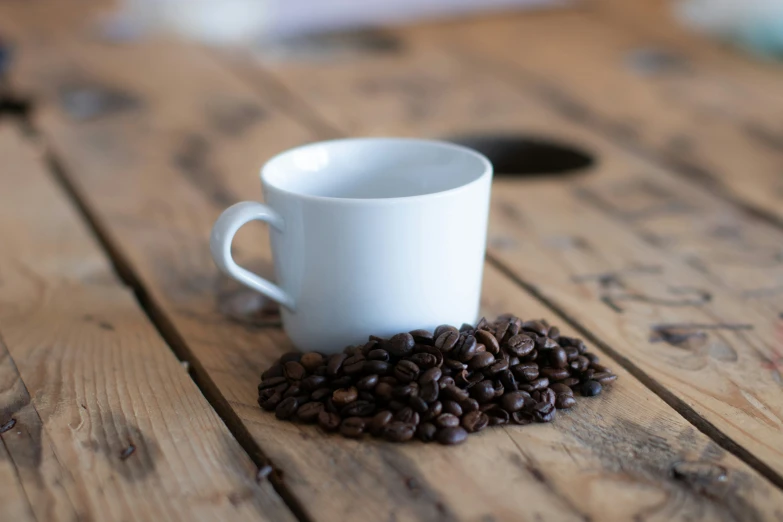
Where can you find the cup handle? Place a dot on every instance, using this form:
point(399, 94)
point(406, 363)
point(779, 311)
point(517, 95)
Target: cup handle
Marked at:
point(222, 235)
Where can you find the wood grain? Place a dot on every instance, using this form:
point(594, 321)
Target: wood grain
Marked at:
point(125, 167)
point(107, 423)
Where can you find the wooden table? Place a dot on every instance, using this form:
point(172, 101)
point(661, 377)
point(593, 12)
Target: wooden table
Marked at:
point(128, 365)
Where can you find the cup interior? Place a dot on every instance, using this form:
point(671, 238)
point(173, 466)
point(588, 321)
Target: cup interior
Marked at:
point(375, 168)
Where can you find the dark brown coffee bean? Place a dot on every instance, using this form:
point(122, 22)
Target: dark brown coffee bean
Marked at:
point(443, 329)
point(423, 337)
point(424, 360)
point(400, 345)
point(352, 427)
point(271, 403)
point(276, 370)
point(488, 340)
point(321, 394)
point(447, 420)
point(446, 381)
point(496, 415)
point(421, 348)
point(512, 401)
point(378, 355)
point(335, 364)
point(358, 409)
point(581, 346)
point(498, 367)
point(587, 375)
point(311, 360)
point(520, 345)
point(407, 415)
point(292, 391)
point(368, 382)
point(377, 367)
point(483, 392)
point(536, 327)
point(500, 332)
point(452, 407)
point(426, 432)
point(403, 391)
point(481, 360)
point(593, 358)
point(379, 422)
point(286, 408)
point(466, 328)
point(429, 391)
point(469, 405)
point(564, 401)
point(309, 412)
point(406, 371)
point(591, 388)
point(312, 382)
point(571, 353)
point(544, 412)
point(580, 364)
point(604, 377)
point(525, 372)
point(290, 356)
point(507, 379)
point(531, 357)
point(366, 396)
point(435, 409)
point(343, 396)
point(388, 379)
point(446, 341)
point(499, 388)
point(571, 381)
point(431, 375)
point(350, 351)
point(553, 333)
point(341, 382)
point(328, 421)
point(537, 384)
point(383, 391)
point(265, 394)
point(418, 404)
point(370, 346)
point(547, 395)
point(395, 405)
point(545, 344)
point(555, 374)
point(483, 324)
point(599, 368)
point(475, 421)
point(398, 432)
point(465, 348)
point(271, 383)
point(451, 436)
point(522, 417)
point(354, 367)
point(330, 407)
point(453, 393)
point(513, 329)
point(558, 358)
point(462, 379)
point(559, 388)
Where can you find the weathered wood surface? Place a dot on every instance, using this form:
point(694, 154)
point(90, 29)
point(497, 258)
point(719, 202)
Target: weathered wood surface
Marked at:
point(107, 425)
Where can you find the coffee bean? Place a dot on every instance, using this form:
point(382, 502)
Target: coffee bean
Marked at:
point(341, 382)
point(426, 432)
point(407, 415)
point(330, 406)
point(395, 405)
point(547, 395)
point(368, 382)
point(446, 341)
point(488, 340)
point(587, 375)
point(483, 324)
point(483, 391)
point(451, 436)
point(378, 355)
point(309, 412)
point(466, 328)
point(271, 383)
point(544, 412)
point(352, 427)
point(537, 384)
point(553, 332)
point(512, 401)
point(469, 405)
point(571, 353)
point(525, 372)
point(462, 379)
point(443, 329)
point(497, 367)
point(571, 381)
point(496, 415)
point(560, 388)
point(366, 396)
point(311, 360)
point(369, 346)
point(265, 394)
point(286, 408)
point(465, 349)
point(431, 375)
point(383, 391)
point(445, 381)
point(508, 381)
point(400, 344)
point(431, 350)
point(424, 360)
point(418, 404)
point(321, 394)
point(290, 356)
point(435, 409)
point(271, 403)
point(312, 382)
point(453, 365)
point(475, 421)
point(292, 391)
point(343, 396)
point(581, 346)
point(591, 388)
point(328, 421)
point(558, 357)
point(276, 370)
point(358, 409)
point(599, 367)
point(453, 393)
point(536, 327)
point(388, 379)
point(354, 367)
point(604, 377)
point(452, 407)
point(545, 344)
point(403, 391)
point(555, 374)
point(376, 367)
point(564, 401)
point(519, 345)
point(335, 364)
point(379, 422)
point(406, 371)
point(522, 417)
point(352, 350)
point(447, 420)
point(429, 391)
point(580, 364)
point(481, 360)
point(398, 431)
point(423, 337)
point(500, 332)
point(593, 358)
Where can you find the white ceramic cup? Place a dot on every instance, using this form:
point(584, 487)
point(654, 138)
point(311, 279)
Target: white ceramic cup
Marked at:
point(369, 236)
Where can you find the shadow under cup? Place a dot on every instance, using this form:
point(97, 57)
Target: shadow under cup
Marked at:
point(377, 236)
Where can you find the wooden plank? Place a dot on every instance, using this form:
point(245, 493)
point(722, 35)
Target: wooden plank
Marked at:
point(108, 425)
point(578, 468)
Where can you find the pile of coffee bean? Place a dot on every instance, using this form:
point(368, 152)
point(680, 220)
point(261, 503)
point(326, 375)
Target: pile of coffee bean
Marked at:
point(438, 385)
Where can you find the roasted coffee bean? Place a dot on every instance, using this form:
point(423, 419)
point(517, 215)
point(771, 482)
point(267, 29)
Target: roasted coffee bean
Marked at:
point(559, 388)
point(369, 346)
point(522, 417)
point(447, 420)
point(443, 329)
point(395, 405)
point(593, 358)
point(446, 341)
point(465, 348)
point(265, 394)
point(520, 345)
point(355, 367)
point(536, 327)
point(378, 355)
point(311, 360)
point(406, 371)
point(379, 422)
point(469, 405)
point(604, 377)
point(525, 372)
point(571, 353)
point(500, 332)
point(600, 368)
point(537, 384)
point(358, 409)
point(513, 329)
point(555, 374)
point(286, 408)
point(591, 388)
point(328, 421)
point(580, 364)
point(376, 339)
point(272, 402)
point(496, 415)
point(558, 358)
point(271, 383)
point(545, 344)
point(400, 345)
point(571, 381)
point(548, 395)
point(483, 392)
point(531, 357)
point(368, 382)
point(276, 370)
point(388, 379)
point(431, 375)
point(423, 337)
point(292, 391)
point(407, 415)
point(418, 404)
point(429, 391)
point(281, 388)
point(341, 382)
point(335, 364)
point(553, 333)
point(403, 391)
point(452, 407)
point(475, 421)
point(376, 367)
point(497, 367)
point(435, 409)
point(581, 346)
point(422, 348)
point(343, 396)
point(353, 350)
point(366, 396)
point(587, 375)
point(508, 380)
point(564, 401)
point(330, 406)
point(309, 412)
point(483, 324)
point(499, 388)
point(488, 340)
point(481, 360)
point(424, 360)
point(426, 431)
point(462, 379)
point(352, 427)
point(565, 341)
point(312, 382)
point(512, 401)
point(290, 356)
point(383, 391)
point(445, 381)
point(321, 394)
point(451, 436)
point(544, 412)
point(398, 432)
point(466, 328)
point(453, 393)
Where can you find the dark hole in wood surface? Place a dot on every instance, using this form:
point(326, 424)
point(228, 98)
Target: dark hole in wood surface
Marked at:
point(520, 155)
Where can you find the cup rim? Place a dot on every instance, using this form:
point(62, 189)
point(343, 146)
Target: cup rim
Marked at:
point(487, 172)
